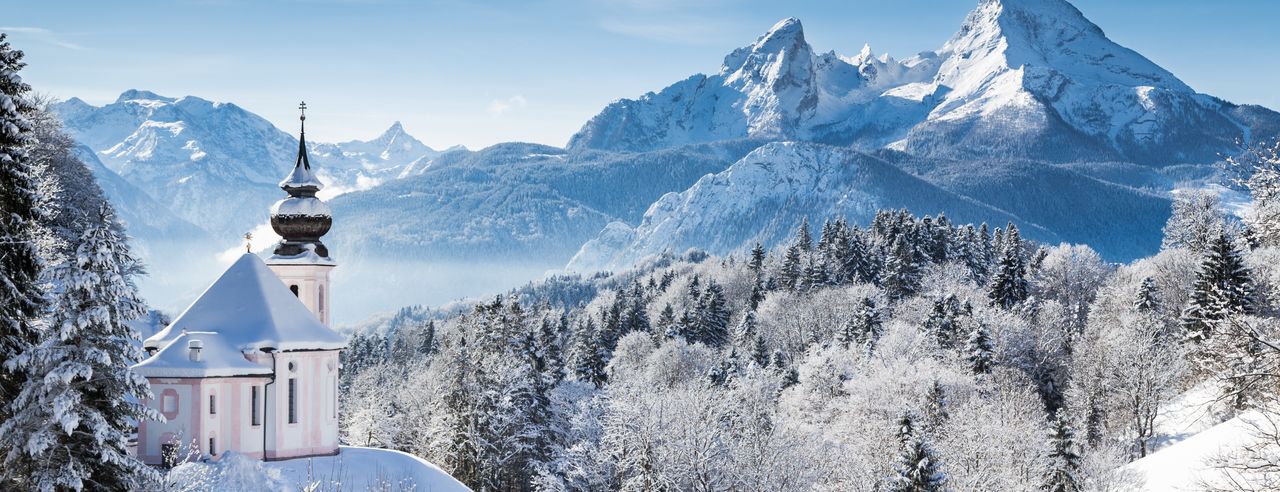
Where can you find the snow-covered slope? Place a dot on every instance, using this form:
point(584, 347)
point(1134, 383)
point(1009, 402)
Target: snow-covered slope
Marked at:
point(764, 195)
point(1021, 78)
point(354, 468)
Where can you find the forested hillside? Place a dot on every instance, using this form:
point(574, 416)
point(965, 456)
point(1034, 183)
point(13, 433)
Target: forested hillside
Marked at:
point(914, 354)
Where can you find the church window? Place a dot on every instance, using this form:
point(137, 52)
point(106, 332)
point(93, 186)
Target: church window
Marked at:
point(213, 404)
point(294, 289)
point(213, 449)
point(169, 403)
point(257, 412)
point(293, 400)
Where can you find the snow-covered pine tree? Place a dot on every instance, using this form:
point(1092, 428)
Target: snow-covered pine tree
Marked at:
point(588, 365)
point(745, 333)
point(713, 318)
point(935, 408)
point(1223, 287)
point(804, 240)
point(792, 270)
point(757, 259)
point(760, 352)
point(1064, 462)
point(667, 324)
point(867, 328)
point(22, 298)
point(635, 316)
point(70, 421)
point(1147, 300)
point(916, 468)
point(901, 277)
point(978, 349)
point(857, 264)
point(1009, 283)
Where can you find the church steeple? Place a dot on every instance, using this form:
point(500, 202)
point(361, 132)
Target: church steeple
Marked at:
point(301, 218)
point(301, 182)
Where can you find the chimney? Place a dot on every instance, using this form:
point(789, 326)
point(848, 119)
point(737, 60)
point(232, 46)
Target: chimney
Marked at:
point(194, 347)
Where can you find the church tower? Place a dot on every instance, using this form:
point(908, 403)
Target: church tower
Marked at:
point(300, 259)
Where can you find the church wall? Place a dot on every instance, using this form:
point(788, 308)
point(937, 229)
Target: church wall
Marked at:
point(316, 429)
point(230, 426)
point(312, 283)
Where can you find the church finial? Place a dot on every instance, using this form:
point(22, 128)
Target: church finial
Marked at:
point(248, 242)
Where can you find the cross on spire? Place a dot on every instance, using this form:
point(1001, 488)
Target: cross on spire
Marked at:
point(303, 108)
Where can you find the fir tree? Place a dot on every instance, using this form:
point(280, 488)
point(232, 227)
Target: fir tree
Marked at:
point(635, 317)
point(757, 294)
point(667, 324)
point(1222, 288)
point(713, 318)
point(804, 240)
point(745, 333)
point(916, 468)
point(978, 350)
point(1147, 302)
point(70, 421)
point(757, 260)
point(791, 269)
point(857, 264)
point(1064, 463)
point(1009, 284)
point(588, 364)
point(935, 408)
point(760, 352)
point(22, 298)
point(901, 271)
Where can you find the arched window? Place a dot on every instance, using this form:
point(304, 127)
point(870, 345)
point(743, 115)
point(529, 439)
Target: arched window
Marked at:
point(320, 305)
point(294, 289)
point(169, 403)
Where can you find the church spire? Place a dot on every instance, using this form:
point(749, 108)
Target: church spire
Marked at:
point(301, 218)
point(301, 182)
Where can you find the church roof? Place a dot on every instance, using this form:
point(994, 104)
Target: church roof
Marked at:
point(250, 308)
point(217, 358)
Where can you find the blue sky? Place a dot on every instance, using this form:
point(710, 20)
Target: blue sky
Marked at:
point(482, 72)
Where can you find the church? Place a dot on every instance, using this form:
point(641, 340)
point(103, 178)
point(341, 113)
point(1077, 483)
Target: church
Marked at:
point(252, 365)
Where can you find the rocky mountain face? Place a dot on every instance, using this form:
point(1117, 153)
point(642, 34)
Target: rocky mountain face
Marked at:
point(1022, 78)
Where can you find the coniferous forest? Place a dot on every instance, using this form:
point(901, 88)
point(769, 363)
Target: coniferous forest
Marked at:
point(912, 354)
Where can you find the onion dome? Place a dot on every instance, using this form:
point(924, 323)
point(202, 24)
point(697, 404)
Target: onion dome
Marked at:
point(301, 218)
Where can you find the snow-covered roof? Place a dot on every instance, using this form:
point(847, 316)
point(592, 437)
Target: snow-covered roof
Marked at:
point(301, 177)
point(252, 309)
point(309, 206)
point(309, 256)
point(217, 358)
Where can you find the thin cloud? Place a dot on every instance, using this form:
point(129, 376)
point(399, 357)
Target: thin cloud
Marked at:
point(498, 107)
point(42, 35)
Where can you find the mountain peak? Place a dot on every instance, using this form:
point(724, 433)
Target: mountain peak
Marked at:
point(141, 95)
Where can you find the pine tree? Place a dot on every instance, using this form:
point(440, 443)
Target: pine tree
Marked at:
point(22, 298)
point(916, 468)
point(760, 352)
point(667, 325)
point(757, 294)
point(712, 320)
point(1064, 463)
point(935, 408)
point(856, 264)
point(757, 260)
point(745, 333)
point(1009, 284)
point(978, 350)
point(70, 421)
point(804, 240)
point(901, 271)
point(867, 324)
point(791, 269)
point(943, 323)
point(1147, 301)
point(588, 364)
point(635, 317)
point(1223, 288)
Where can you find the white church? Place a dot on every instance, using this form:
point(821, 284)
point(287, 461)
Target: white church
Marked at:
point(252, 365)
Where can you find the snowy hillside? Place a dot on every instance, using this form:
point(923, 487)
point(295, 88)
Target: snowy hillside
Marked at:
point(355, 468)
point(1021, 78)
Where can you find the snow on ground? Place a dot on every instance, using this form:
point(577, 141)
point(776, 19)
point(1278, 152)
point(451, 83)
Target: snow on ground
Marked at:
point(357, 468)
point(1184, 465)
point(1189, 432)
point(353, 469)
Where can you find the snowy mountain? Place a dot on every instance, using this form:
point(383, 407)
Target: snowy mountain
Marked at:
point(1022, 78)
point(217, 165)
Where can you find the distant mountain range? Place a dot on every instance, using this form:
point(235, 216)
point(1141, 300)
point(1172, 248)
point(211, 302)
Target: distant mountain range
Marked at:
point(1028, 114)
